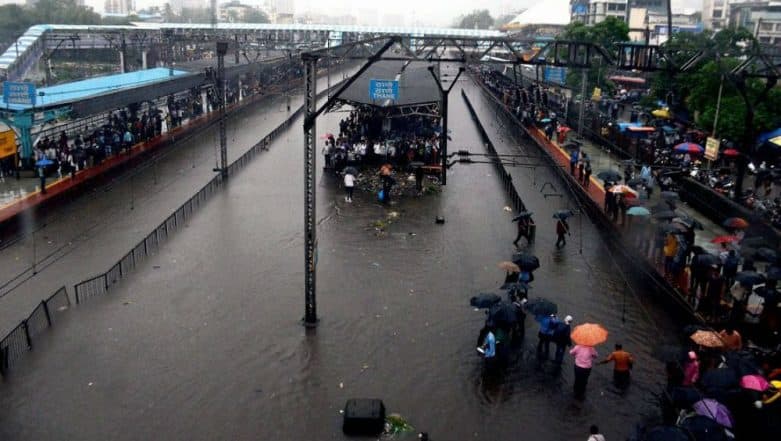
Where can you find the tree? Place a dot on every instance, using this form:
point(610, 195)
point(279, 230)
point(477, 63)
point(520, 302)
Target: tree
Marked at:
point(605, 34)
point(255, 16)
point(477, 19)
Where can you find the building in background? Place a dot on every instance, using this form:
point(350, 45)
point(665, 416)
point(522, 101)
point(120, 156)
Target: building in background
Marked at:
point(178, 5)
point(715, 13)
point(763, 18)
point(119, 7)
point(283, 11)
point(599, 10)
point(234, 11)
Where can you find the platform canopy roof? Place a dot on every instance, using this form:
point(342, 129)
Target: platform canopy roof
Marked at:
point(69, 93)
point(549, 12)
point(416, 84)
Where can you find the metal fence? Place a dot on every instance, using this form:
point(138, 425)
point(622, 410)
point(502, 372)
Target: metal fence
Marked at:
point(148, 246)
point(20, 339)
point(504, 175)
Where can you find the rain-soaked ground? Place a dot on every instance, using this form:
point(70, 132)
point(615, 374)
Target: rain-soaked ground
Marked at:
point(204, 341)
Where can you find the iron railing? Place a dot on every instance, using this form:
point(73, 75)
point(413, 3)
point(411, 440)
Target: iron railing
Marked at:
point(20, 339)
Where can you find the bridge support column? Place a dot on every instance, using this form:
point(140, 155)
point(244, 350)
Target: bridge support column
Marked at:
point(241, 92)
point(122, 62)
point(204, 102)
point(310, 188)
point(144, 64)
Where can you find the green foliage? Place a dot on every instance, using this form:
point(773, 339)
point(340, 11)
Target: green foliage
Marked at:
point(606, 34)
point(698, 88)
point(15, 19)
point(255, 16)
point(477, 19)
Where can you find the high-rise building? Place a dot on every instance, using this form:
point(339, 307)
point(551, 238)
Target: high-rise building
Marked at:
point(119, 7)
point(599, 10)
point(178, 5)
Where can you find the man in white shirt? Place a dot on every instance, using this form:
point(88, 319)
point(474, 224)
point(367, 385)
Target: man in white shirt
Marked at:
point(349, 185)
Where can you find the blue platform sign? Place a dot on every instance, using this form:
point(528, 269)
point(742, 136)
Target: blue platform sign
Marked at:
point(19, 93)
point(557, 75)
point(384, 90)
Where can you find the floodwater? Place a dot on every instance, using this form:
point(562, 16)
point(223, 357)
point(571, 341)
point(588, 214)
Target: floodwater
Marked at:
point(78, 240)
point(205, 342)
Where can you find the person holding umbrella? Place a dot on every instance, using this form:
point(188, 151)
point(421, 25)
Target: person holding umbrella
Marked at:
point(548, 326)
point(561, 336)
point(562, 228)
point(525, 223)
point(585, 337)
point(622, 365)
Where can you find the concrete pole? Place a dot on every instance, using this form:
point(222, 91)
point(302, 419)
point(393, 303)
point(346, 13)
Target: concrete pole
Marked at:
point(204, 102)
point(144, 64)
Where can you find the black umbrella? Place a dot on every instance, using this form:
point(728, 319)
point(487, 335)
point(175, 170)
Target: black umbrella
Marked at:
point(675, 228)
point(485, 300)
point(750, 278)
point(526, 261)
point(609, 175)
point(518, 289)
point(765, 254)
point(705, 260)
point(661, 206)
point(351, 171)
point(504, 313)
point(773, 273)
point(522, 215)
point(666, 214)
point(669, 195)
point(702, 428)
point(742, 363)
point(755, 241)
point(690, 222)
point(563, 214)
point(716, 383)
point(634, 182)
point(684, 397)
point(541, 307)
point(691, 329)
point(666, 433)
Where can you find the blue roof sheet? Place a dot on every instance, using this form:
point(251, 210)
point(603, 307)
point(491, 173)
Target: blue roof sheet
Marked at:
point(79, 90)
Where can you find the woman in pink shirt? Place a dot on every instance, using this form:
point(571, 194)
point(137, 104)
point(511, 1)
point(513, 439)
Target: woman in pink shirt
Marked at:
point(584, 359)
point(691, 370)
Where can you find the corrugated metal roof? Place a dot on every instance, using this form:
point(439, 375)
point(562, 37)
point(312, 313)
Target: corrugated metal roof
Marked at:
point(79, 90)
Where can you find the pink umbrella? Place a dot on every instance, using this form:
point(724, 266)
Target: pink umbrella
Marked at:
point(754, 382)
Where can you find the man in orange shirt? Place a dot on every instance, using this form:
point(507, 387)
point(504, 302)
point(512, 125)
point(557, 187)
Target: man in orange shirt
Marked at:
point(622, 364)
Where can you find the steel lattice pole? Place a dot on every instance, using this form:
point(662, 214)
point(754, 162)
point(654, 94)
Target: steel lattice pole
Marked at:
point(222, 49)
point(310, 220)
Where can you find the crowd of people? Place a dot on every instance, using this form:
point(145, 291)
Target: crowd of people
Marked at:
point(726, 287)
point(65, 153)
point(368, 139)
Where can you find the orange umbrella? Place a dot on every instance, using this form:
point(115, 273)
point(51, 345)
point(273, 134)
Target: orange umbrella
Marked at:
point(589, 334)
point(624, 190)
point(709, 339)
point(509, 267)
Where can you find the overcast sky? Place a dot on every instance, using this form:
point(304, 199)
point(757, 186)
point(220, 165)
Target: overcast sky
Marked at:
point(431, 12)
